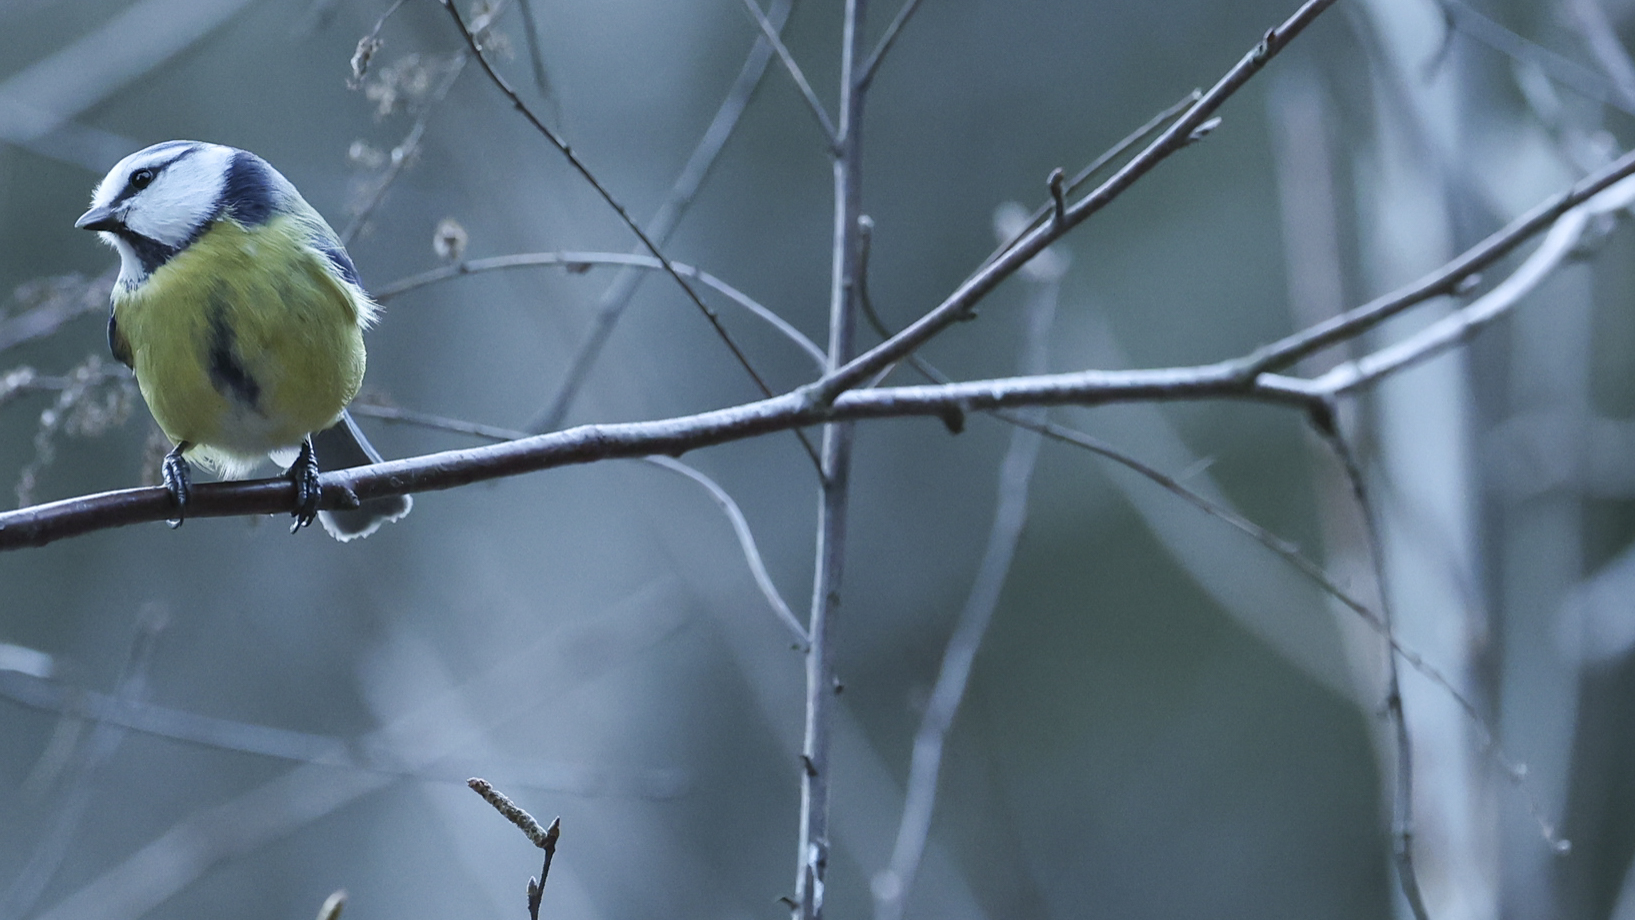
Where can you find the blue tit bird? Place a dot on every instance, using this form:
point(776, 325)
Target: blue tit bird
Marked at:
point(242, 316)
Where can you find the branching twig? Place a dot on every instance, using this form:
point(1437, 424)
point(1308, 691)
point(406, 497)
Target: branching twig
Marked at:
point(978, 285)
point(617, 296)
point(579, 166)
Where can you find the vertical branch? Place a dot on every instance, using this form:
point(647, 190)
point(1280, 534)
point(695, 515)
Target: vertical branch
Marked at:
point(845, 285)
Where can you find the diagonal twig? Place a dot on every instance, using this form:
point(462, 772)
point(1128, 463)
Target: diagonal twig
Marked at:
point(617, 296)
point(866, 73)
point(770, 32)
point(579, 166)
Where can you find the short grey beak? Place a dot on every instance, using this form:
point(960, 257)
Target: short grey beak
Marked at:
point(98, 219)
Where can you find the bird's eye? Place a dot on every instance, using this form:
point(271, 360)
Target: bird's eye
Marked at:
point(142, 178)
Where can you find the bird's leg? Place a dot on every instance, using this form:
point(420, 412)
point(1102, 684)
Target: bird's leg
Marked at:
point(178, 479)
point(304, 473)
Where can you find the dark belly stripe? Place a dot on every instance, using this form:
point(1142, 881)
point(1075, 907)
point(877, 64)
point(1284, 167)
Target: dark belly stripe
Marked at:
point(227, 372)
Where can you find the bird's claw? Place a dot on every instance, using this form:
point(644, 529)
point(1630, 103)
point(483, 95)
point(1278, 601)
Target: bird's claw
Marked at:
point(178, 479)
point(308, 493)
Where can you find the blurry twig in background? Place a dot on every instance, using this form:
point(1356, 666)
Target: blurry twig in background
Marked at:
point(1601, 36)
point(277, 808)
point(355, 754)
point(84, 407)
point(71, 802)
point(405, 150)
point(892, 885)
point(616, 297)
point(578, 261)
point(50, 302)
point(1462, 19)
point(735, 515)
point(542, 837)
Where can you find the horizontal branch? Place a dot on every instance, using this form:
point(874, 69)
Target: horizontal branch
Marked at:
point(41, 524)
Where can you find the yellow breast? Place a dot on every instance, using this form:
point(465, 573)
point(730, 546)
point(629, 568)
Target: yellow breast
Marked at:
point(244, 342)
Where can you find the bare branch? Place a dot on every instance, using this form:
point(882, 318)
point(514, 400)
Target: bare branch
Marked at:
point(812, 102)
point(1448, 279)
point(1403, 816)
point(573, 261)
point(845, 286)
point(41, 524)
point(978, 285)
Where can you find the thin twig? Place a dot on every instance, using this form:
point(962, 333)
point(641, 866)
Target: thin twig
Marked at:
point(770, 32)
point(1403, 810)
point(729, 507)
point(573, 261)
point(978, 285)
point(1466, 20)
point(579, 166)
point(611, 305)
point(812, 853)
point(866, 72)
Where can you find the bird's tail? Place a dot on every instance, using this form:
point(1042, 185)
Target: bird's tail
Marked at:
point(338, 447)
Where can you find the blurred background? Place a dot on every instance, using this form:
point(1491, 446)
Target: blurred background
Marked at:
point(1163, 719)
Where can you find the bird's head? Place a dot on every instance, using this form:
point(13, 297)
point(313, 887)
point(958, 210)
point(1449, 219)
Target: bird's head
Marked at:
point(157, 201)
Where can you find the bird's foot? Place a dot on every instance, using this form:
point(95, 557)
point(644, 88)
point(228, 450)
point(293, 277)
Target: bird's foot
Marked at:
point(178, 477)
point(304, 474)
